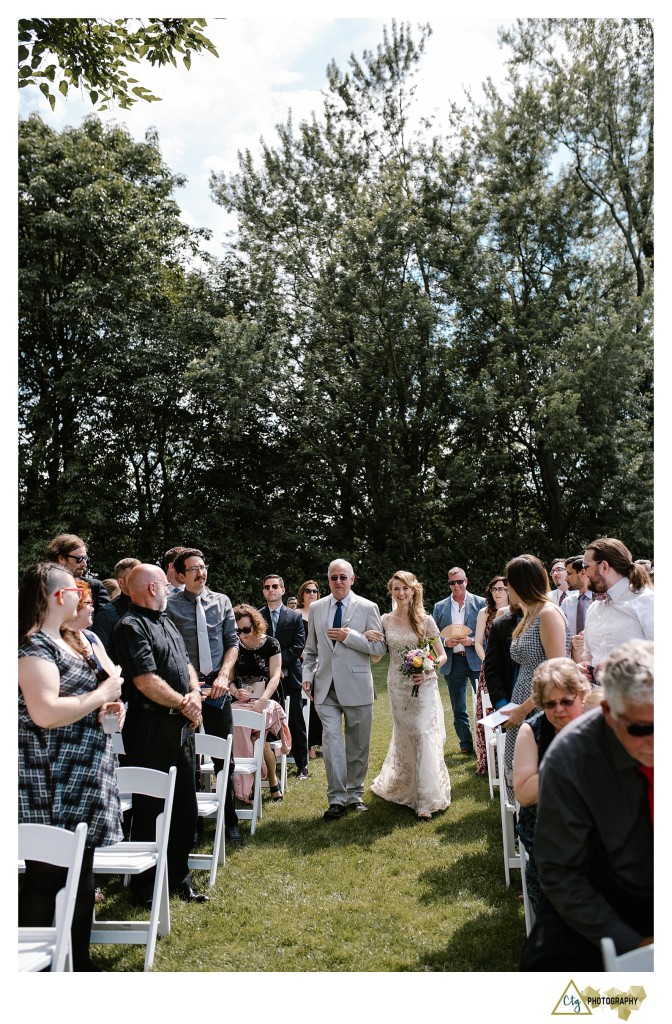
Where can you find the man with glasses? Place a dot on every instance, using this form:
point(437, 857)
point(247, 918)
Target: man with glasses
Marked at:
point(164, 709)
point(69, 550)
point(207, 626)
point(463, 664)
point(594, 833)
point(287, 628)
point(626, 610)
point(337, 672)
point(559, 577)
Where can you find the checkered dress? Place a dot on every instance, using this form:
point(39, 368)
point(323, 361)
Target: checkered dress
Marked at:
point(67, 774)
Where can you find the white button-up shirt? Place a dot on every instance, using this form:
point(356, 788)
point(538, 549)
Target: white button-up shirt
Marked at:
point(457, 617)
point(628, 616)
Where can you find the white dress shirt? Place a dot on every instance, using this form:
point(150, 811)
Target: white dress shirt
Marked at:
point(457, 616)
point(627, 616)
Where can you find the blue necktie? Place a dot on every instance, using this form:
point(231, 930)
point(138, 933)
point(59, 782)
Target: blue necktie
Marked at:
point(275, 615)
point(338, 618)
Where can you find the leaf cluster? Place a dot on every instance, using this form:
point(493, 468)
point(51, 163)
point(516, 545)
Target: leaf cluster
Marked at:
point(59, 54)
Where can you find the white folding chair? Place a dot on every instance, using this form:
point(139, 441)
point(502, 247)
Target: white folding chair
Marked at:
point(211, 805)
point(255, 720)
point(507, 812)
point(306, 718)
point(490, 746)
point(529, 912)
point(205, 766)
point(281, 759)
point(640, 959)
point(132, 858)
point(41, 947)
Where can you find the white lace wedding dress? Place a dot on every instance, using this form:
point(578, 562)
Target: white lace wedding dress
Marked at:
point(414, 772)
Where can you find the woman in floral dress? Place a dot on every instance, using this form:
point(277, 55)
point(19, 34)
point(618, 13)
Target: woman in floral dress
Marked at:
point(414, 772)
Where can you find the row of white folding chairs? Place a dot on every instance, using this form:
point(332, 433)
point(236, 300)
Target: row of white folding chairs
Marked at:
point(39, 948)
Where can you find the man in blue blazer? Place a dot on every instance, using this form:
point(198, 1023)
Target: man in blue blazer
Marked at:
point(462, 663)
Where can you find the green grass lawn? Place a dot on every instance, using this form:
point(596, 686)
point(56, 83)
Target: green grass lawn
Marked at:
point(370, 892)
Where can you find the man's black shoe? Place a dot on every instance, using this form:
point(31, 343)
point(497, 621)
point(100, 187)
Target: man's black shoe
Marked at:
point(234, 835)
point(186, 893)
point(357, 805)
point(335, 811)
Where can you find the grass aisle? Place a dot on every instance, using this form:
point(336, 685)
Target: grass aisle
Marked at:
point(370, 892)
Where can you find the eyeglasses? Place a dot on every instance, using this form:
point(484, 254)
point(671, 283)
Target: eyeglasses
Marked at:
point(197, 568)
point(566, 702)
point(311, 590)
point(635, 729)
point(456, 583)
point(342, 578)
point(243, 629)
point(271, 586)
point(62, 590)
point(498, 590)
point(80, 559)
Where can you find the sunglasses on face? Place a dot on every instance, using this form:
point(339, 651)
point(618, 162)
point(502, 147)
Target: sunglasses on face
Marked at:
point(634, 729)
point(311, 590)
point(456, 583)
point(80, 559)
point(341, 578)
point(565, 702)
point(271, 586)
point(243, 629)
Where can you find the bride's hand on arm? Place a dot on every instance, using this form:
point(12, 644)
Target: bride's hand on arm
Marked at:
point(439, 651)
point(374, 635)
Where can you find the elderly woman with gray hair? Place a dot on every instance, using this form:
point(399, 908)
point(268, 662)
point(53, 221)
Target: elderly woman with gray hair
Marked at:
point(560, 688)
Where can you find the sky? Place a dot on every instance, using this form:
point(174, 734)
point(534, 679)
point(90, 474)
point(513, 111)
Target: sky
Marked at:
point(267, 67)
point(268, 63)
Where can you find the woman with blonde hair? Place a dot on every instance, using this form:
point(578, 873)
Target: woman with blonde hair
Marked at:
point(414, 772)
point(561, 690)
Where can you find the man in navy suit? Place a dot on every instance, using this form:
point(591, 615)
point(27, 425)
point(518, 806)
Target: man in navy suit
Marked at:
point(462, 663)
point(286, 626)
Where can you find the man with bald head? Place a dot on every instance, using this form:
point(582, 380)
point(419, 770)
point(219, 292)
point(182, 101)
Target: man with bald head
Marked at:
point(164, 709)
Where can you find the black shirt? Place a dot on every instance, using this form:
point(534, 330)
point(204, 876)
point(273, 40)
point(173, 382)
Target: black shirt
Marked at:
point(144, 641)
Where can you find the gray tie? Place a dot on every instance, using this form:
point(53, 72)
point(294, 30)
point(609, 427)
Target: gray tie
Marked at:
point(581, 612)
point(204, 656)
point(275, 615)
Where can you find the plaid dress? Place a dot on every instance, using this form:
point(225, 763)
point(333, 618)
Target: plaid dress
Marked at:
point(67, 774)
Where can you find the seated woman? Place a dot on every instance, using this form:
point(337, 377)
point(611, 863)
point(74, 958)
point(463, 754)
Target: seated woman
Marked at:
point(257, 678)
point(561, 688)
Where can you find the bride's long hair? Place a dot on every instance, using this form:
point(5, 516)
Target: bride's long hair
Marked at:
point(416, 609)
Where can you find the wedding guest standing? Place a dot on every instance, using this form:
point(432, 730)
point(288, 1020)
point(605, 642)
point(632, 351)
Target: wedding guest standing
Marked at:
point(66, 761)
point(497, 599)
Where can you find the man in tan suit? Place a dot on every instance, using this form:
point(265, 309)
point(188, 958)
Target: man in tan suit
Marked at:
point(337, 674)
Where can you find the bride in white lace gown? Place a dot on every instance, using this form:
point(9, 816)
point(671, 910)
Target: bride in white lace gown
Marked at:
point(414, 772)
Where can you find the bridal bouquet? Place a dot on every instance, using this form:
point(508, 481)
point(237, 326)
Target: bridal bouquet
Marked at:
point(418, 659)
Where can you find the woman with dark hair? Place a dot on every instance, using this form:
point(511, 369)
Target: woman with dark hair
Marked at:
point(66, 762)
point(497, 601)
point(309, 592)
point(257, 670)
point(414, 772)
point(542, 633)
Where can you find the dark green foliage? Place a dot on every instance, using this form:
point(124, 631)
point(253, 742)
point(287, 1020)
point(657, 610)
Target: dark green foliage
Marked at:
point(419, 352)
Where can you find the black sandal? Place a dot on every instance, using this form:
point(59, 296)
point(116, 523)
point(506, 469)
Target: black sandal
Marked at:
point(276, 793)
